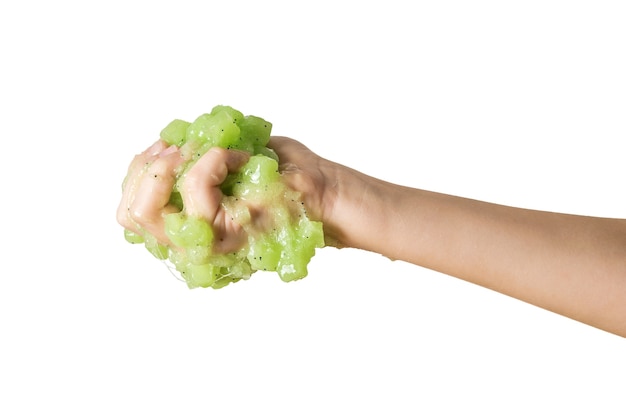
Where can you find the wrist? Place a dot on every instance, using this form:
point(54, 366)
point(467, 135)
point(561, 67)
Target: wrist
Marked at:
point(354, 208)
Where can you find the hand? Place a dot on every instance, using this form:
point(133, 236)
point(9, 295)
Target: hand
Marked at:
point(152, 174)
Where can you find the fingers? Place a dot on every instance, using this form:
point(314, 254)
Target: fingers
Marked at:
point(147, 156)
point(149, 183)
point(200, 189)
point(147, 190)
point(133, 176)
point(202, 196)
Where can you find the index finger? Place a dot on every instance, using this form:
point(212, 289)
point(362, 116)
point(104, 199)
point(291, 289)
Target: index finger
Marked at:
point(200, 189)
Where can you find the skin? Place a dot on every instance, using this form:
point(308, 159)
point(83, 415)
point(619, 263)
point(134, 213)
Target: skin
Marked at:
point(572, 265)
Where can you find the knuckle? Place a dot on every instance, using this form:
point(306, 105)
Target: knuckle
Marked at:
point(141, 213)
point(218, 152)
point(160, 169)
point(122, 217)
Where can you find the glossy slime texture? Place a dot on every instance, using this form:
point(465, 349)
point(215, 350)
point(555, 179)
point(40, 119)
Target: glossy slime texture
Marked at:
point(289, 238)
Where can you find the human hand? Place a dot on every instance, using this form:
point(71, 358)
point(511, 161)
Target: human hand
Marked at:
point(151, 176)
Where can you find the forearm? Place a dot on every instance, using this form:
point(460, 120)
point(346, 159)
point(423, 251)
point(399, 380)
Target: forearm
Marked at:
point(572, 265)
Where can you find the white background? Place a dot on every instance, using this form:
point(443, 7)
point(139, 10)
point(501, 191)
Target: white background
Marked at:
point(519, 103)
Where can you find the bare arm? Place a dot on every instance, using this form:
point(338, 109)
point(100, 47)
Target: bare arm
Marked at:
point(571, 265)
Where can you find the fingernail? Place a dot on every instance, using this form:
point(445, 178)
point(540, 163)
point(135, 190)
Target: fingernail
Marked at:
point(169, 150)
